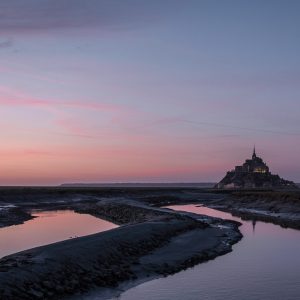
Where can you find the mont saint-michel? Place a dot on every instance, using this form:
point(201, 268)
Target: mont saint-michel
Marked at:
point(254, 173)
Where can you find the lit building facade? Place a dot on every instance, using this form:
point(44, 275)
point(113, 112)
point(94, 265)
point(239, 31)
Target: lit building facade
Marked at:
point(254, 165)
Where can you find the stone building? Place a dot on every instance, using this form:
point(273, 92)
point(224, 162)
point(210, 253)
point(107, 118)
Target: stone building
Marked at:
point(254, 165)
point(254, 173)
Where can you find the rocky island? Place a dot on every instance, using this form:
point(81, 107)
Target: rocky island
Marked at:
point(254, 173)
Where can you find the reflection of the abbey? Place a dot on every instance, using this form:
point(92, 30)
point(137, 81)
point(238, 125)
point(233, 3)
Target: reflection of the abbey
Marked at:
point(253, 225)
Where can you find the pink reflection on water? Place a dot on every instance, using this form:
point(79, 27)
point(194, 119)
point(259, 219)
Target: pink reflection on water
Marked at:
point(202, 210)
point(249, 226)
point(49, 227)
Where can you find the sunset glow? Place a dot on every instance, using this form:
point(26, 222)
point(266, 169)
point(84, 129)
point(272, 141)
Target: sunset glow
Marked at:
point(154, 91)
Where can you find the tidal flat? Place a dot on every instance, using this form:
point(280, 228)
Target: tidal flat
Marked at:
point(150, 242)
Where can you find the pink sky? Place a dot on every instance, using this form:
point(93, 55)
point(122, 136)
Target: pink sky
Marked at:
point(153, 91)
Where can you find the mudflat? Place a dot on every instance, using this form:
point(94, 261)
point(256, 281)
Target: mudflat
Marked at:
point(151, 242)
point(281, 207)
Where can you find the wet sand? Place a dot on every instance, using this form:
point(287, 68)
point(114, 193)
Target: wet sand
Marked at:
point(277, 207)
point(152, 242)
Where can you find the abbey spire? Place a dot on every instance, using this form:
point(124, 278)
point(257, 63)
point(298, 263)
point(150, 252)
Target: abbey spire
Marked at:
point(254, 153)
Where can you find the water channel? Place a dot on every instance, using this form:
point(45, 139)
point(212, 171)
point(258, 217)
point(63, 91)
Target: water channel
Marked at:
point(48, 227)
point(264, 265)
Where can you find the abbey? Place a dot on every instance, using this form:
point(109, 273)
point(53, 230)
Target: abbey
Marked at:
point(254, 165)
point(254, 173)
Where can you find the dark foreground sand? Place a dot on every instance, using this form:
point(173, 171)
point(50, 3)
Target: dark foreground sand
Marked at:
point(152, 242)
point(277, 207)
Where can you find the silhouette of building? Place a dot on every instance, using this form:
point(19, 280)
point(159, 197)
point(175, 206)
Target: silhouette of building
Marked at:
point(254, 165)
point(254, 173)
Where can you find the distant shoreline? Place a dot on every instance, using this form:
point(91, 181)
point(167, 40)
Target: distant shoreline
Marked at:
point(138, 184)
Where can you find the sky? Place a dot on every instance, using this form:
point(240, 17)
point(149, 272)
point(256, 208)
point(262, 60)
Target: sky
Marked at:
point(147, 91)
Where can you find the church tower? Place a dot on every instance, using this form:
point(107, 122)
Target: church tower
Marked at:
point(254, 153)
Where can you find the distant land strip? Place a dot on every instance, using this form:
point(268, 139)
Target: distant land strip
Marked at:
point(138, 184)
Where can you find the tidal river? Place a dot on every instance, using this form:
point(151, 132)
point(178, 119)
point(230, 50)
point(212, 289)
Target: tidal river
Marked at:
point(264, 265)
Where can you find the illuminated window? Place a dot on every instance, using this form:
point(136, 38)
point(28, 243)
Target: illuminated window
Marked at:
point(260, 170)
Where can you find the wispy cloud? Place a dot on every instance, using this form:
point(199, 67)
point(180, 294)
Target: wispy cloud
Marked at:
point(68, 115)
point(251, 129)
point(162, 122)
point(6, 43)
point(41, 15)
point(16, 98)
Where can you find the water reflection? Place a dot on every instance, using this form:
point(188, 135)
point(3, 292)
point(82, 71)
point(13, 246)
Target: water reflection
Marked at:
point(264, 265)
point(253, 225)
point(49, 227)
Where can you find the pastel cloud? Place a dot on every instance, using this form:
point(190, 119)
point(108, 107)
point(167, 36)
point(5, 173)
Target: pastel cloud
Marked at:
point(16, 98)
point(19, 16)
point(102, 162)
point(56, 103)
point(6, 43)
point(67, 114)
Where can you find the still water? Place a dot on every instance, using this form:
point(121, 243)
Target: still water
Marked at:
point(49, 227)
point(264, 265)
